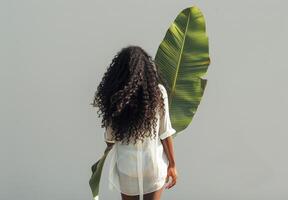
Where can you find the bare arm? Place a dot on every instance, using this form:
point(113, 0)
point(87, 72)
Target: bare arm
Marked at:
point(109, 144)
point(108, 135)
point(171, 170)
point(169, 149)
point(165, 134)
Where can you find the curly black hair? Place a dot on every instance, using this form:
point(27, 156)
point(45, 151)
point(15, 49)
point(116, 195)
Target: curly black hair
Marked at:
point(128, 95)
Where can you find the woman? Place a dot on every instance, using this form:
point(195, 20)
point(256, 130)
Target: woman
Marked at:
point(134, 104)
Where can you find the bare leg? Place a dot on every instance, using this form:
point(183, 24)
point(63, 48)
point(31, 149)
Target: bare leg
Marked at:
point(128, 197)
point(156, 195)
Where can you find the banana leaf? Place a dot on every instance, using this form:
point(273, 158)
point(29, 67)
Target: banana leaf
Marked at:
point(182, 59)
point(96, 169)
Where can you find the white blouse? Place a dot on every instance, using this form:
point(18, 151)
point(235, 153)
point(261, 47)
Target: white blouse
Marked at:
point(137, 169)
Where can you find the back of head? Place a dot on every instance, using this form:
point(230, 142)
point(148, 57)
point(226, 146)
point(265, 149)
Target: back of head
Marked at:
point(128, 95)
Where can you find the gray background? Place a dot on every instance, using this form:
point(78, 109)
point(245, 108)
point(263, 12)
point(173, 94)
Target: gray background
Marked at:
point(54, 53)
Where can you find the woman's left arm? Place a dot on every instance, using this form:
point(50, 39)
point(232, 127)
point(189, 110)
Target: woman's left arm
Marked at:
point(109, 144)
point(108, 136)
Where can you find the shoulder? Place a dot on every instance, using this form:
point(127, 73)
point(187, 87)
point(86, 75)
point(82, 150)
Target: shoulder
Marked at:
point(163, 89)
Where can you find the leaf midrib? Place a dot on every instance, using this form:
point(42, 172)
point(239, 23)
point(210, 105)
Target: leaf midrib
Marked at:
point(179, 60)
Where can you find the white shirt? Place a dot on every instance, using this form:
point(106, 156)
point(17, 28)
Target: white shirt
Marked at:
point(141, 168)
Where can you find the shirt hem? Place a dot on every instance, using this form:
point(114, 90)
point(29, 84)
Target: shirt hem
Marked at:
point(135, 194)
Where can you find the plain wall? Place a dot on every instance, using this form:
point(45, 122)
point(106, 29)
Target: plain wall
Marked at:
point(53, 55)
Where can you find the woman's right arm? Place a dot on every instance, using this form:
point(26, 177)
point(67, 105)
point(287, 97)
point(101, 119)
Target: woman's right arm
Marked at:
point(165, 133)
point(171, 170)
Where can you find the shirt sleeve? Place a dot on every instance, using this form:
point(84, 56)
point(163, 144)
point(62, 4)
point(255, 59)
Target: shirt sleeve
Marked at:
point(108, 137)
point(165, 127)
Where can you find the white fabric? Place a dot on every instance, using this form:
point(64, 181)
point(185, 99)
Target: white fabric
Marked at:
point(141, 168)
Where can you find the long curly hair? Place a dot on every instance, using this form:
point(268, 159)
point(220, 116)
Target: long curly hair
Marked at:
point(128, 95)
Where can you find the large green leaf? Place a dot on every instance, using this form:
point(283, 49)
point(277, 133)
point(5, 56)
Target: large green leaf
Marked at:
point(96, 169)
point(183, 59)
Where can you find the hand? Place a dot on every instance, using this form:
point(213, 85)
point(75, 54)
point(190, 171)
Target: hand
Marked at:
point(108, 147)
point(171, 171)
point(110, 144)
